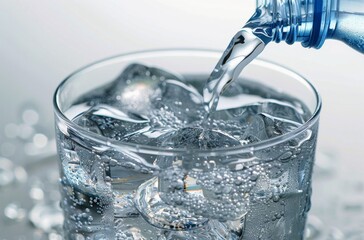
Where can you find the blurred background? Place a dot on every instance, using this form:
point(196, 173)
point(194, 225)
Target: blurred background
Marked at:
point(42, 42)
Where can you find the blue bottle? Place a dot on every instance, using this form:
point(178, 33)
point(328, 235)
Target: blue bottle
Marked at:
point(310, 22)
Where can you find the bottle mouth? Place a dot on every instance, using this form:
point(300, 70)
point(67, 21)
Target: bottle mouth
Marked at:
point(307, 21)
point(323, 22)
point(67, 126)
point(316, 37)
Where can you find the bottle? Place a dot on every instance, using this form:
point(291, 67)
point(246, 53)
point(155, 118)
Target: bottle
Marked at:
point(310, 22)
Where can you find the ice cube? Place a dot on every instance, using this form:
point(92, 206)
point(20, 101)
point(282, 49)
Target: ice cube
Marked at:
point(258, 121)
point(113, 123)
point(276, 126)
point(282, 110)
point(182, 99)
point(256, 130)
point(125, 164)
point(240, 122)
point(152, 137)
point(200, 138)
point(137, 86)
point(142, 104)
point(162, 96)
point(179, 105)
point(192, 138)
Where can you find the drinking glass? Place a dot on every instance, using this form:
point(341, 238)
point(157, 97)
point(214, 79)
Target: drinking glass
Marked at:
point(123, 190)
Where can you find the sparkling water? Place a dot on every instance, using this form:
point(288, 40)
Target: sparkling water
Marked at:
point(124, 194)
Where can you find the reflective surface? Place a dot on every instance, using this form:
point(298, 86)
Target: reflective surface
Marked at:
point(29, 210)
point(101, 176)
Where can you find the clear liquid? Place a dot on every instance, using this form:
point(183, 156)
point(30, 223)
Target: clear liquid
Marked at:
point(109, 194)
point(243, 48)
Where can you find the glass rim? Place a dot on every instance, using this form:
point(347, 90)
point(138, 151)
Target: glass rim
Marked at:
point(123, 146)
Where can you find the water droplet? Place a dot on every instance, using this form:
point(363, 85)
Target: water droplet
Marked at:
point(46, 217)
point(14, 212)
point(254, 176)
point(6, 172)
point(30, 117)
point(54, 236)
point(20, 174)
point(285, 157)
point(40, 140)
point(78, 236)
point(25, 131)
point(36, 193)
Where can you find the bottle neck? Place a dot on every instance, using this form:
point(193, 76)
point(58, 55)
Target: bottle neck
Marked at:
point(307, 21)
point(324, 22)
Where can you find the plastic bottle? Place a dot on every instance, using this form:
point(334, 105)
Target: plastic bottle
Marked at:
point(310, 22)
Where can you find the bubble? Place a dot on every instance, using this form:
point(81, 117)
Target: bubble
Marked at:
point(40, 140)
point(78, 236)
point(14, 212)
point(6, 172)
point(30, 117)
point(36, 193)
point(124, 206)
point(46, 217)
point(39, 144)
point(20, 174)
point(25, 131)
point(54, 236)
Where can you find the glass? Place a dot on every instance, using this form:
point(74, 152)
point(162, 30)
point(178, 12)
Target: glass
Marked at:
point(118, 190)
